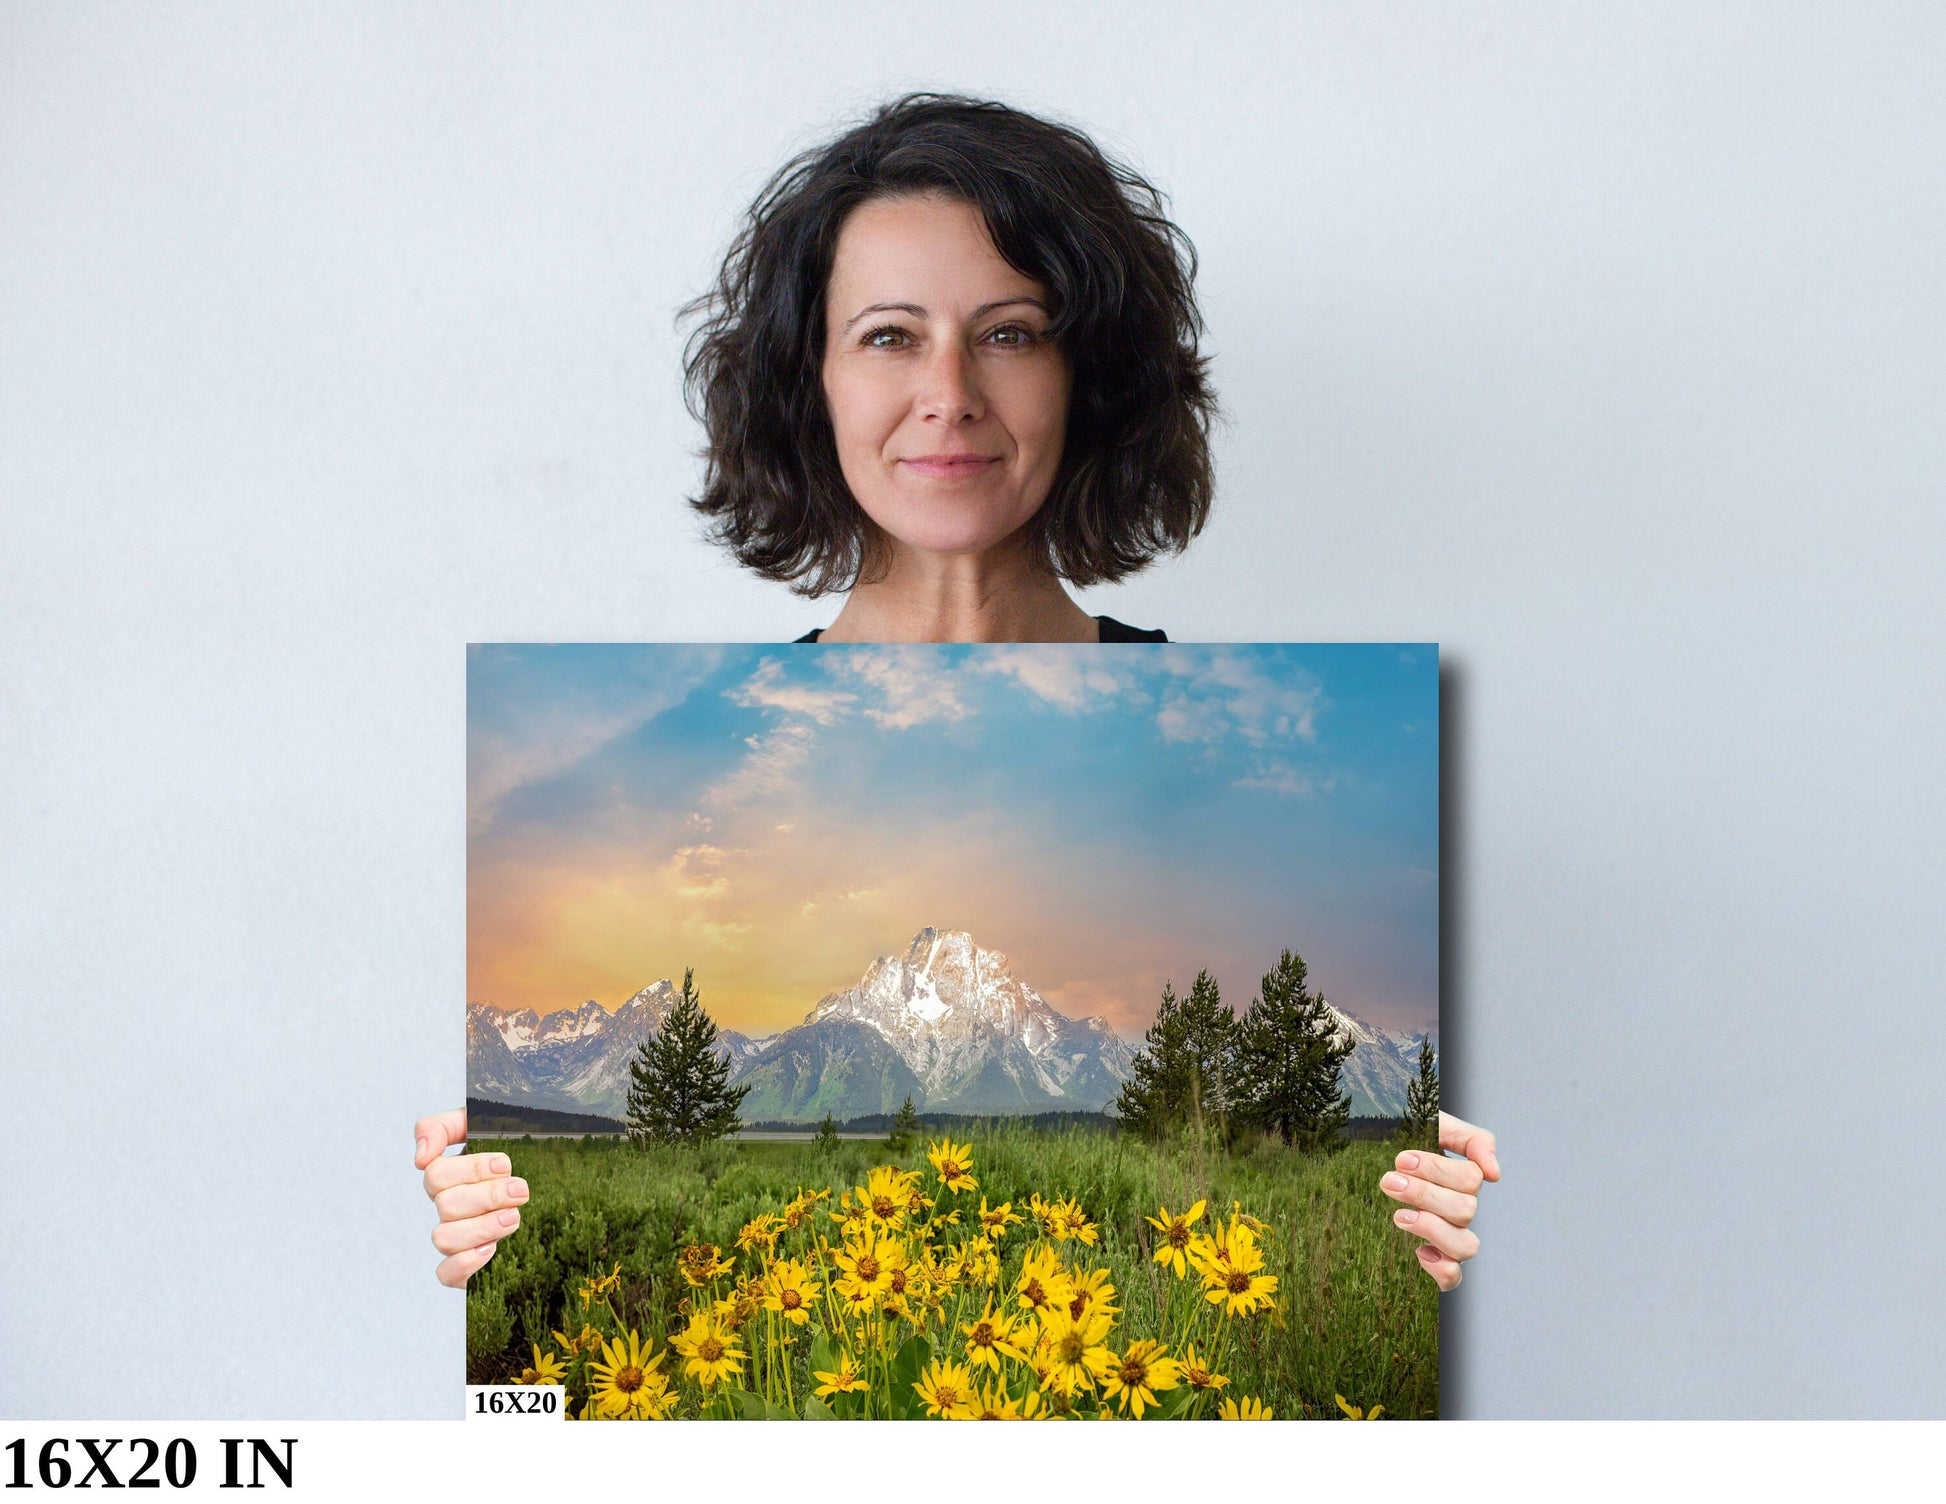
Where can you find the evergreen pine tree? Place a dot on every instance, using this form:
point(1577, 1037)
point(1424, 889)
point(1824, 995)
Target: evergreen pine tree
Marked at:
point(679, 1089)
point(1287, 1061)
point(1157, 1085)
point(904, 1127)
point(1419, 1128)
point(1209, 1046)
point(827, 1138)
point(1182, 1075)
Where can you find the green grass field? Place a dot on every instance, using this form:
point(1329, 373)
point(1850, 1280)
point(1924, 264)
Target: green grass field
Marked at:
point(1355, 1314)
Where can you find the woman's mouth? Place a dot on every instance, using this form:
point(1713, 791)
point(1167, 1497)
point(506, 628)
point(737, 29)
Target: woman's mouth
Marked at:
point(951, 466)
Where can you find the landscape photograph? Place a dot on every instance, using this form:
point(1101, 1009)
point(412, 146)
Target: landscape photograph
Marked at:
point(959, 1031)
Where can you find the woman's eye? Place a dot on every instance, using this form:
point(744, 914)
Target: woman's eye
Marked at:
point(1012, 335)
point(886, 337)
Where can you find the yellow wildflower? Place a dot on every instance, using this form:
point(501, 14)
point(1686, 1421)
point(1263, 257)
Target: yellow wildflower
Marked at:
point(990, 1338)
point(1353, 1412)
point(712, 1350)
point(1171, 1248)
point(789, 1289)
point(1245, 1409)
point(629, 1383)
point(846, 1380)
point(954, 1163)
point(1139, 1374)
point(947, 1390)
point(547, 1369)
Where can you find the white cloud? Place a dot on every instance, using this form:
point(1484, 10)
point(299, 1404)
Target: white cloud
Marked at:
point(1280, 778)
point(1069, 676)
point(854, 895)
point(768, 688)
point(909, 683)
point(770, 768)
point(1221, 692)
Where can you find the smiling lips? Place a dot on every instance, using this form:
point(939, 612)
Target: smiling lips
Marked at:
point(951, 466)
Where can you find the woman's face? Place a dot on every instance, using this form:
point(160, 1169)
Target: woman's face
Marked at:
point(947, 400)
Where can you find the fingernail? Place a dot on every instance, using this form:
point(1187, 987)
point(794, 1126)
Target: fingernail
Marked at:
point(517, 1189)
point(1405, 1216)
point(422, 1150)
point(1394, 1182)
point(1408, 1161)
point(1429, 1253)
point(1494, 1160)
point(501, 1164)
point(510, 1218)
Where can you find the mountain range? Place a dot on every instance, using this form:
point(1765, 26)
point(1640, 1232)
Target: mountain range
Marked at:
point(947, 1023)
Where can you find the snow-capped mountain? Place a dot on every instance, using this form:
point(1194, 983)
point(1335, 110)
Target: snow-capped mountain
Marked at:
point(573, 1059)
point(1382, 1065)
point(947, 1022)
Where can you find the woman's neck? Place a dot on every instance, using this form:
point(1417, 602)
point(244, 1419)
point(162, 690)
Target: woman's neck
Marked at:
point(1003, 595)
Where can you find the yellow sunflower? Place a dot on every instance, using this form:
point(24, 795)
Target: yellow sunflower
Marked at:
point(629, 1383)
point(1077, 1352)
point(869, 1266)
point(1171, 1248)
point(547, 1369)
point(1091, 1292)
point(1234, 1279)
point(1196, 1373)
point(947, 1390)
point(713, 1351)
point(789, 1289)
point(887, 1194)
point(845, 1381)
point(994, 1222)
point(954, 1162)
point(1353, 1412)
point(1043, 1284)
point(990, 1338)
point(1139, 1374)
point(1245, 1409)
point(992, 1402)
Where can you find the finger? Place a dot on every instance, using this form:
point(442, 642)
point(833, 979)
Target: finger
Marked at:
point(1455, 1206)
point(1444, 1271)
point(1455, 1243)
point(457, 1169)
point(455, 1271)
point(480, 1196)
point(1441, 1169)
point(471, 1232)
point(1474, 1142)
point(436, 1134)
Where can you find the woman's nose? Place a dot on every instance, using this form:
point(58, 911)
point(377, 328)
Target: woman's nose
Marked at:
point(950, 387)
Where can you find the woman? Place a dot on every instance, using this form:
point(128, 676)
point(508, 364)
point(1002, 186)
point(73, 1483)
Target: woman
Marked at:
point(950, 366)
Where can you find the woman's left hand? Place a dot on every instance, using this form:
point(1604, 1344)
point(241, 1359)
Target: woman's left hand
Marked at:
point(1441, 1194)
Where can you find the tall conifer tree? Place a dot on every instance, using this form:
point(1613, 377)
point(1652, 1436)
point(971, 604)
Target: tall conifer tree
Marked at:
point(1419, 1128)
point(679, 1089)
point(1288, 1059)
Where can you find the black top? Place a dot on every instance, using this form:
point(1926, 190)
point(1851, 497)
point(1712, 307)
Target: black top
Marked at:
point(1111, 631)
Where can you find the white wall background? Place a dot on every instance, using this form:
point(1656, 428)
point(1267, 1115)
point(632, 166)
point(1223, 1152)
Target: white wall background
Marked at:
point(1600, 344)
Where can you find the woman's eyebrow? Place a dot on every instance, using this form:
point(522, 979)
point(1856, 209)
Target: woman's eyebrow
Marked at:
point(918, 313)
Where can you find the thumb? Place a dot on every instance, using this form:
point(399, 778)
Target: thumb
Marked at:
point(435, 1134)
point(1475, 1142)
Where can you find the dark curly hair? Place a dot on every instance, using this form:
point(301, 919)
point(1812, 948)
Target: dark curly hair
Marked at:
point(1135, 476)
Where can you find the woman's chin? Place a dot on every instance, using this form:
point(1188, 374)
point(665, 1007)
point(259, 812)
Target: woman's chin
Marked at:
point(931, 532)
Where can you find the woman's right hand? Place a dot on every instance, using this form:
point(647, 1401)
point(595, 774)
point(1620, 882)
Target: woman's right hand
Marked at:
point(478, 1196)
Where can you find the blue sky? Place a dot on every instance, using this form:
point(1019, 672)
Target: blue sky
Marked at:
point(1107, 815)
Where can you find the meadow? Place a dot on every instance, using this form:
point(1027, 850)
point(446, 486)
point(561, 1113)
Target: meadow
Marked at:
point(731, 1280)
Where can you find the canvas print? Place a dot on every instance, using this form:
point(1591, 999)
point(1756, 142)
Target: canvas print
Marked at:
point(964, 1031)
